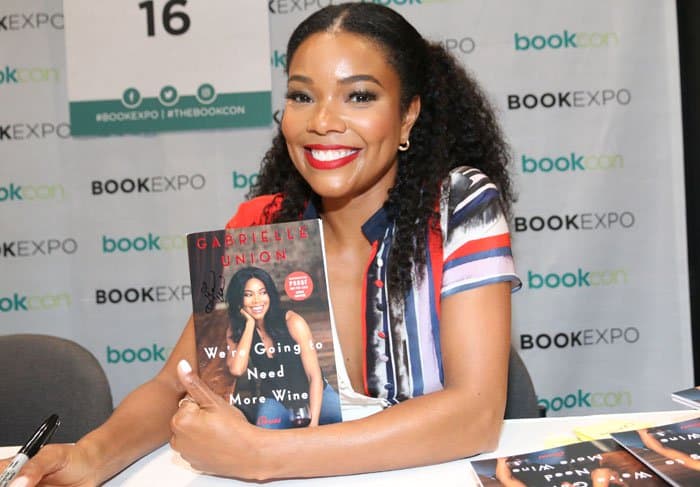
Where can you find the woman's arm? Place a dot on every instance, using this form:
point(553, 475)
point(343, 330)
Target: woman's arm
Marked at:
point(301, 334)
point(463, 419)
point(238, 353)
point(140, 424)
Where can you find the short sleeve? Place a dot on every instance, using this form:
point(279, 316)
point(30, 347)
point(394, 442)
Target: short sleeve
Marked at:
point(252, 212)
point(476, 240)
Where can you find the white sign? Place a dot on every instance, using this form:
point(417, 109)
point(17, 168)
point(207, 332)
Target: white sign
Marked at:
point(156, 65)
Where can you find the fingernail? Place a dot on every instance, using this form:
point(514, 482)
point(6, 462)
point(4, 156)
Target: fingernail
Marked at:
point(19, 482)
point(184, 366)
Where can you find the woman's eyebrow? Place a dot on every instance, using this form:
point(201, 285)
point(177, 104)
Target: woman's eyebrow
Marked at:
point(360, 77)
point(347, 80)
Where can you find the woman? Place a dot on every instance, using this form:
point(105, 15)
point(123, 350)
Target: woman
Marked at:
point(263, 336)
point(377, 124)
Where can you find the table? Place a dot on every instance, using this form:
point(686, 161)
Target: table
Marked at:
point(165, 467)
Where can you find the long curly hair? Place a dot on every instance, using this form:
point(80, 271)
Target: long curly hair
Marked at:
point(456, 127)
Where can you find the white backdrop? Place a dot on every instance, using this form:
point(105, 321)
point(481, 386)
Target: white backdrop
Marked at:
point(588, 96)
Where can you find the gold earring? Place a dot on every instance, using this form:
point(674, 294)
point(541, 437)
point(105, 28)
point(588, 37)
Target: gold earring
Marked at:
point(403, 147)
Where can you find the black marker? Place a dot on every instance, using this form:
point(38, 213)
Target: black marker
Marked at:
point(39, 438)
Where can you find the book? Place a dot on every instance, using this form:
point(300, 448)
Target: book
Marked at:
point(589, 463)
point(671, 450)
point(688, 397)
point(263, 322)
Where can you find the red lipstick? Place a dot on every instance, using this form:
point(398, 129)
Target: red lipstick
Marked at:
point(333, 163)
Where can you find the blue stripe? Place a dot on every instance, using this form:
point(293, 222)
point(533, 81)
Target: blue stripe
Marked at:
point(413, 346)
point(486, 195)
point(497, 252)
point(472, 285)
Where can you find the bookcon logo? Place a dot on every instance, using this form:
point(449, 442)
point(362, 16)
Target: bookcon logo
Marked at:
point(151, 353)
point(581, 399)
point(580, 338)
point(33, 248)
point(572, 163)
point(150, 294)
point(241, 180)
point(39, 130)
point(576, 279)
point(576, 221)
point(566, 40)
point(33, 20)
point(151, 184)
point(22, 192)
point(10, 75)
point(278, 59)
point(18, 302)
point(146, 243)
point(570, 99)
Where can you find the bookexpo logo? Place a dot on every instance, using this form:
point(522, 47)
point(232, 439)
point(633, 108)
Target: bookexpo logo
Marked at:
point(151, 184)
point(570, 99)
point(145, 243)
point(586, 399)
point(566, 40)
point(33, 248)
point(20, 302)
point(21, 192)
point(580, 338)
point(143, 294)
point(33, 20)
point(608, 220)
point(151, 353)
point(39, 130)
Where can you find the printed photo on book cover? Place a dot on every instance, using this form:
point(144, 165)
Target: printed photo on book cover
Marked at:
point(672, 450)
point(263, 324)
point(592, 463)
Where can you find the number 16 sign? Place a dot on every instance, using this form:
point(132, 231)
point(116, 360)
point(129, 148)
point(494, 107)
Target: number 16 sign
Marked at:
point(139, 66)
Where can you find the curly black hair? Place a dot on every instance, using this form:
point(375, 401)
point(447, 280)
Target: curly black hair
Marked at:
point(456, 127)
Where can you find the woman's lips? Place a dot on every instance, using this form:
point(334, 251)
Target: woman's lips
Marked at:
point(329, 156)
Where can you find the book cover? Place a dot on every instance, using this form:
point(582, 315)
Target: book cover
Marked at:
point(589, 463)
point(671, 450)
point(688, 397)
point(263, 322)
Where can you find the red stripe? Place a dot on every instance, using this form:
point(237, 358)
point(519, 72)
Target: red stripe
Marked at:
point(435, 251)
point(372, 255)
point(481, 245)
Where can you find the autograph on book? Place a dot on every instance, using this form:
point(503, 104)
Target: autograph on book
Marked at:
point(214, 292)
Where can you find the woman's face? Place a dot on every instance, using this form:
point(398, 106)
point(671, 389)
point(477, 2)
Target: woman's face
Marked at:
point(342, 119)
point(256, 301)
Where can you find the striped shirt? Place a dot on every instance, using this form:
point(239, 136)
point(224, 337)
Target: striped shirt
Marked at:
point(401, 341)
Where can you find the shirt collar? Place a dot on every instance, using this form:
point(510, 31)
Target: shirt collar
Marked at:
point(373, 229)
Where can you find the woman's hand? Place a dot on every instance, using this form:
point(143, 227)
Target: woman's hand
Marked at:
point(213, 436)
point(56, 465)
point(249, 320)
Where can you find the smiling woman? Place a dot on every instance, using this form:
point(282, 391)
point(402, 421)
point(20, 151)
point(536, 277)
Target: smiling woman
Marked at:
point(389, 141)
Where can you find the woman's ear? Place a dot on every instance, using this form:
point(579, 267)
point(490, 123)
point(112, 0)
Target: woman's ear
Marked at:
point(409, 118)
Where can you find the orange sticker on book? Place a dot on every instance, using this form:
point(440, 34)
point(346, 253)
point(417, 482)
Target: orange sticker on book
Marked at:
point(298, 286)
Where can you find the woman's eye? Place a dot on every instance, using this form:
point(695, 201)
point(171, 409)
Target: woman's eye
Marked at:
point(298, 97)
point(362, 96)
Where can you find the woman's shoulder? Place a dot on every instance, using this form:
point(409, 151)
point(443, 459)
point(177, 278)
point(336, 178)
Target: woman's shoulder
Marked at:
point(464, 180)
point(255, 211)
point(296, 323)
point(470, 199)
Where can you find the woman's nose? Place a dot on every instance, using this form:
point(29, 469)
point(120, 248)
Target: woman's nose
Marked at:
point(325, 117)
